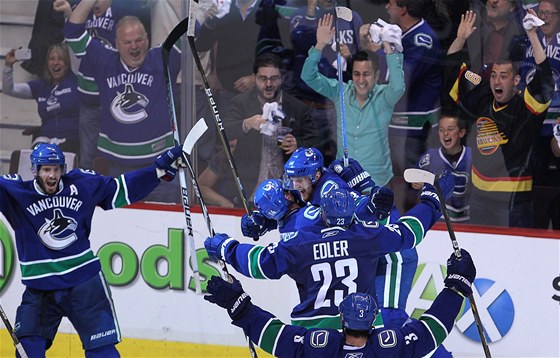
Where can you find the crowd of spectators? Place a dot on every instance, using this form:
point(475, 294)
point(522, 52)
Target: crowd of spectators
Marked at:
point(472, 88)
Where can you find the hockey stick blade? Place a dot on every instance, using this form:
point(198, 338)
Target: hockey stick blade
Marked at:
point(344, 13)
point(413, 175)
point(194, 135)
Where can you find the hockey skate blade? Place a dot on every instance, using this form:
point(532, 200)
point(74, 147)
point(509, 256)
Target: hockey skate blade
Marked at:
point(194, 135)
point(413, 175)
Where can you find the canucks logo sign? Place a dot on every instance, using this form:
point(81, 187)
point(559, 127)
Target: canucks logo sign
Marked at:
point(129, 107)
point(58, 232)
point(494, 303)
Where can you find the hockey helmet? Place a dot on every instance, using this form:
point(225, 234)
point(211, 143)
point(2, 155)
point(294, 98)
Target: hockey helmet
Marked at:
point(358, 311)
point(270, 199)
point(47, 154)
point(304, 162)
point(338, 207)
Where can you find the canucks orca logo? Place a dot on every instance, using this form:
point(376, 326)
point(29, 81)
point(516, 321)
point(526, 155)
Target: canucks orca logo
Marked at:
point(59, 232)
point(129, 107)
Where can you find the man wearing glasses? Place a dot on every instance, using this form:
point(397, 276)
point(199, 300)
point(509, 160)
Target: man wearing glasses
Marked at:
point(266, 125)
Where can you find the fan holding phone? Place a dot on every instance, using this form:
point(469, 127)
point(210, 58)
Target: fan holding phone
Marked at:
point(55, 93)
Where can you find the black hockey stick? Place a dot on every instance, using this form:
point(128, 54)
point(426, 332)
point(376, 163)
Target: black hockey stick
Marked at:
point(194, 134)
point(8, 325)
point(187, 25)
point(423, 176)
point(175, 34)
point(182, 180)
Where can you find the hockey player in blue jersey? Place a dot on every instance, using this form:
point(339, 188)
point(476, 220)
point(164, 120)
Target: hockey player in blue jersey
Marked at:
point(330, 262)
point(51, 216)
point(357, 313)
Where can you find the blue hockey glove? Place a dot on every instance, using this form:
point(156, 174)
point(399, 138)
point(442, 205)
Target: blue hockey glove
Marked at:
point(381, 202)
point(217, 246)
point(429, 195)
point(229, 296)
point(356, 177)
point(166, 163)
point(257, 225)
point(460, 273)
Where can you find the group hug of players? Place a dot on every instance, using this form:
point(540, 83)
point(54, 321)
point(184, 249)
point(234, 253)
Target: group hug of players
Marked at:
point(341, 238)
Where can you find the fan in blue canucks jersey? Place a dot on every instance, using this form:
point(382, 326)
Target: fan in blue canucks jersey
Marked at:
point(357, 311)
point(328, 263)
point(51, 217)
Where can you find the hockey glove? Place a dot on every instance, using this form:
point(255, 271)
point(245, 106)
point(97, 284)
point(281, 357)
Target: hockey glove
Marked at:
point(166, 163)
point(229, 296)
point(217, 246)
point(460, 273)
point(256, 225)
point(381, 202)
point(356, 177)
point(556, 131)
point(446, 183)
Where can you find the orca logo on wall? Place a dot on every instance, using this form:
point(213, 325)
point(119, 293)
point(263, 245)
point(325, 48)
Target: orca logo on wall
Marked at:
point(496, 310)
point(59, 232)
point(129, 107)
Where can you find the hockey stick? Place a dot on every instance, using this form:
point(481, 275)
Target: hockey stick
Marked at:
point(345, 14)
point(188, 26)
point(194, 134)
point(182, 180)
point(8, 325)
point(413, 175)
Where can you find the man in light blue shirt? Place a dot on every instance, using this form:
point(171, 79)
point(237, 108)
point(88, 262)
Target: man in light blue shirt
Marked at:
point(368, 107)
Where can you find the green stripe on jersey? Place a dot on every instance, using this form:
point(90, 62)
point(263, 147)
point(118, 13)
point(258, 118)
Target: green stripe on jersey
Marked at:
point(87, 86)
point(141, 150)
point(270, 335)
point(31, 270)
point(79, 45)
point(254, 265)
point(319, 322)
point(121, 196)
point(414, 225)
point(437, 329)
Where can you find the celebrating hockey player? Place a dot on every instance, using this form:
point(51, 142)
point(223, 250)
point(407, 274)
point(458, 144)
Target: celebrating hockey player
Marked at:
point(51, 216)
point(310, 254)
point(357, 314)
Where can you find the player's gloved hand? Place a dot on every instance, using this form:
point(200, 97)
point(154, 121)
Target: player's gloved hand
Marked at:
point(217, 246)
point(375, 33)
point(357, 177)
point(556, 131)
point(256, 225)
point(381, 202)
point(460, 273)
point(392, 34)
point(429, 195)
point(229, 296)
point(530, 21)
point(166, 163)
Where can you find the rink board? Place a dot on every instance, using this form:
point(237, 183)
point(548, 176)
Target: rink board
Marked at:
point(517, 288)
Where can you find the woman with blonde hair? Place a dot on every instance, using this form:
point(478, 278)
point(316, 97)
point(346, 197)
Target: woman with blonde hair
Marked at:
point(56, 96)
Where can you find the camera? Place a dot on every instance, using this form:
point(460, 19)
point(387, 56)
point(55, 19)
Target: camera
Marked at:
point(22, 54)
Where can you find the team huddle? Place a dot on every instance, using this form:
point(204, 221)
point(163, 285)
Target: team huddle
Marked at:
point(335, 240)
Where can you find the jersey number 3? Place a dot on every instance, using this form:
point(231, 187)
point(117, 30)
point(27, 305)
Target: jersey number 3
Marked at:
point(345, 271)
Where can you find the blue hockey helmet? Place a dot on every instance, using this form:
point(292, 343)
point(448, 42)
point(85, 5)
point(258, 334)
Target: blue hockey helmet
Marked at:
point(270, 199)
point(358, 311)
point(304, 162)
point(47, 154)
point(338, 207)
